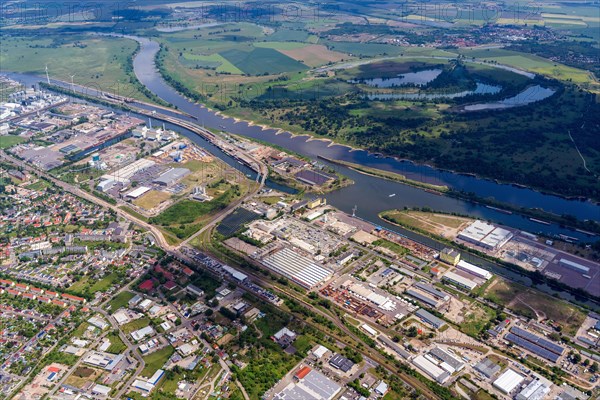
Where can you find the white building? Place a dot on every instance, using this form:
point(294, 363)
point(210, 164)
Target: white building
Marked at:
point(508, 381)
point(474, 270)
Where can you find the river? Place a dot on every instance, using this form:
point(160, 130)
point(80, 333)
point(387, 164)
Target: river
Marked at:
point(371, 195)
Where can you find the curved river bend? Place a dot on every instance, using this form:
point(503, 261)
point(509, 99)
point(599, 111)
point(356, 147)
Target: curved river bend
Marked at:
point(371, 195)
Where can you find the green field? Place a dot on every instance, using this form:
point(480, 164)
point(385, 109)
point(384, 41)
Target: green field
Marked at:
point(120, 300)
point(156, 360)
point(135, 325)
point(534, 304)
point(40, 185)
point(216, 61)
point(69, 54)
point(280, 45)
point(7, 141)
point(116, 344)
point(262, 61)
point(532, 63)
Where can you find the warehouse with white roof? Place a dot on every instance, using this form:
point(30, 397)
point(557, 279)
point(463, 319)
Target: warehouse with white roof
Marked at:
point(508, 381)
point(474, 270)
point(137, 192)
point(485, 235)
point(432, 370)
point(299, 269)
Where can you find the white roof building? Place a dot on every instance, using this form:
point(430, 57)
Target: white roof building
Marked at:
point(142, 333)
point(508, 381)
point(474, 270)
point(536, 390)
point(432, 370)
point(320, 351)
point(138, 192)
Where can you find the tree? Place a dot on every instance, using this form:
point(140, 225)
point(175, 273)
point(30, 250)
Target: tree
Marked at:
point(412, 331)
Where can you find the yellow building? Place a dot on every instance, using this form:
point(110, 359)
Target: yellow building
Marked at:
point(450, 256)
point(316, 203)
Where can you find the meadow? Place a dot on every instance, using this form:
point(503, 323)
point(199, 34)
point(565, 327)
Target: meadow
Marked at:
point(69, 54)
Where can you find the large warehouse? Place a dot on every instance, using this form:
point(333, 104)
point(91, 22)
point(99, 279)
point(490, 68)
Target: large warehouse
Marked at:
point(432, 370)
point(137, 192)
point(474, 270)
point(485, 235)
point(299, 269)
point(508, 381)
point(459, 281)
point(309, 384)
point(171, 176)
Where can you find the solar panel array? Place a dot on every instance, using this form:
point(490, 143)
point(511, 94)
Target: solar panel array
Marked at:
point(540, 341)
point(532, 347)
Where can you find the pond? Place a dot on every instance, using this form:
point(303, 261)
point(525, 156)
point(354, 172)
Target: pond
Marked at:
point(419, 78)
point(481, 88)
point(527, 96)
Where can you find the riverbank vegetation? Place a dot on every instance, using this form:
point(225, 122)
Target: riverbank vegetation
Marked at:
point(528, 145)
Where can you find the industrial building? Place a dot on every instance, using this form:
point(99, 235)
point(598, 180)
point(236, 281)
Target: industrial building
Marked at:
point(368, 329)
point(309, 384)
point(340, 362)
point(299, 269)
point(474, 270)
point(105, 361)
point(508, 381)
point(487, 368)
point(574, 266)
point(485, 235)
point(137, 192)
point(450, 256)
point(535, 344)
point(429, 318)
point(235, 274)
point(389, 343)
point(449, 362)
point(363, 293)
point(459, 281)
point(142, 333)
point(124, 174)
point(423, 299)
point(536, 390)
point(105, 185)
point(432, 370)
point(432, 290)
point(171, 176)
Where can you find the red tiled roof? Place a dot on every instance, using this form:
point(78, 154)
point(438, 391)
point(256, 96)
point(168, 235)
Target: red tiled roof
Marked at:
point(71, 297)
point(147, 285)
point(302, 372)
point(170, 285)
